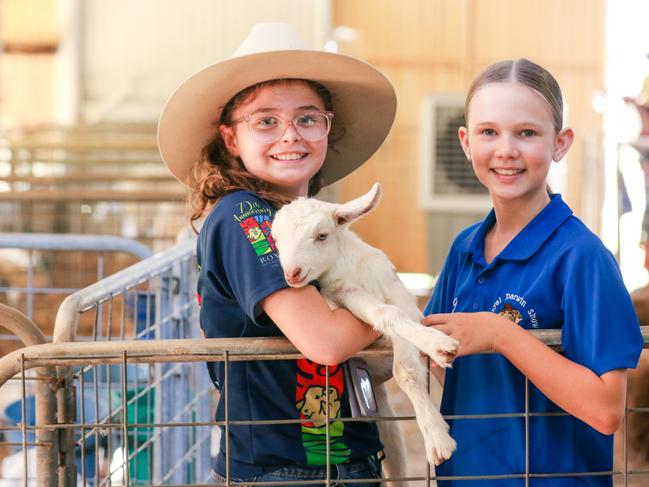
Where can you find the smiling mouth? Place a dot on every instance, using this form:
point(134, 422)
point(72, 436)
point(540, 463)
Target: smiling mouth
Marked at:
point(293, 156)
point(508, 172)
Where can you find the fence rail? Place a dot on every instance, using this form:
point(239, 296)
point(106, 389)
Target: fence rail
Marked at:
point(71, 242)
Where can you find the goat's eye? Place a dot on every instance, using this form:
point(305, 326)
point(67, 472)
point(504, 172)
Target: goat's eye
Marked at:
point(322, 237)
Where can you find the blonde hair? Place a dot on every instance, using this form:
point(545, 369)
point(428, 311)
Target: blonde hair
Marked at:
point(528, 73)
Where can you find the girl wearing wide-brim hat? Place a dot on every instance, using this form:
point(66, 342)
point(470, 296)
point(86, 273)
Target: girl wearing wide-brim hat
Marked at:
point(273, 123)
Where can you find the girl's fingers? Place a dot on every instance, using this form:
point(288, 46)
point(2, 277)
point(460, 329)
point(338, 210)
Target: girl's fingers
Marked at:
point(436, 319)
point(447, 330)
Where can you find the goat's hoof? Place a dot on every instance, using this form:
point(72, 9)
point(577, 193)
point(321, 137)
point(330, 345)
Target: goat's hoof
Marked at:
point(442, 451)
point(446, 352)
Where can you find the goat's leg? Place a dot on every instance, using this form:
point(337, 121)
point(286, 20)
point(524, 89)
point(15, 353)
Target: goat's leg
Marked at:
point(394, 322)
point(394, 465)
point(411, 375)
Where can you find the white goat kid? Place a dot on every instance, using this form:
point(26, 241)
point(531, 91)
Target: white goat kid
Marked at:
point(314, 243)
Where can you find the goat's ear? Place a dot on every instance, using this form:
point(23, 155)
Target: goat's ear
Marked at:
point(350, 211)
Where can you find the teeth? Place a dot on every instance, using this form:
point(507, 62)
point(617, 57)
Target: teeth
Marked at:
point(508, 172)
point(289, 157)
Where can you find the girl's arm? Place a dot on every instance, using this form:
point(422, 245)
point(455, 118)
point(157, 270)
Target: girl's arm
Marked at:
point(597, 400)
point(321, 334)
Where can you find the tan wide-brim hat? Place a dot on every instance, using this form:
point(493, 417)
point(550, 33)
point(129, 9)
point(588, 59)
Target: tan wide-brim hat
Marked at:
point(364, 102)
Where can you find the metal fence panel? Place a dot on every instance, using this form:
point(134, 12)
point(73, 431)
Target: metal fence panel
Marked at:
point(151, 301)
point(38, 271)
point(143, 397)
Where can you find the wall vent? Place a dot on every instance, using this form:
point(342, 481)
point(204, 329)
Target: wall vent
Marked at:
point(447, 182)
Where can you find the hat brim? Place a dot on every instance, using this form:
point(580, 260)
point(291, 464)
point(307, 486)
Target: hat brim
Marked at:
point(363, 98)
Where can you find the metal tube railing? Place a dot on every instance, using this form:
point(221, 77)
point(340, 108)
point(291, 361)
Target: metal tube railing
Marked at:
point(71, 242)
point(25, 329)
point(186, 350)
point(67, 317)
point(155, 351)
point(63, 243)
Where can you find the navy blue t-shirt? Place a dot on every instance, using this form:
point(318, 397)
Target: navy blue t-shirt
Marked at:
point(239, 267)
point(554, 274)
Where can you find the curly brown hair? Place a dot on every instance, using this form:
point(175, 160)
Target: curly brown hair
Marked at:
point(218, 173)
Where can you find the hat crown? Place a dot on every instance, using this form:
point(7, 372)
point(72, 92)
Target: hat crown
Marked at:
point(271, 36)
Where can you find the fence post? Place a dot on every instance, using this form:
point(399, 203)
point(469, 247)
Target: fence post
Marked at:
point(66, 414)
point(45, 407)
point(30, 334)
point(201, 381)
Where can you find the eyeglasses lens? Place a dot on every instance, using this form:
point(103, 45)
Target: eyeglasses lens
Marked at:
point(270, 128)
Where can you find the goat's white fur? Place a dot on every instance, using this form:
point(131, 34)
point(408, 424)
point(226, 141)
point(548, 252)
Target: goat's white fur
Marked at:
point(314, 243)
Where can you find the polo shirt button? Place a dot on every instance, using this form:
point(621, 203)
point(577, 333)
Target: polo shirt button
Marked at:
point(481, 280)
point(475, 305)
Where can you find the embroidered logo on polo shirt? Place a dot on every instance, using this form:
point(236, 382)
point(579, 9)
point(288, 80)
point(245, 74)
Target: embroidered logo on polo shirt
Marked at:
point(511, 313)
point(255, 221)
point(515, 308)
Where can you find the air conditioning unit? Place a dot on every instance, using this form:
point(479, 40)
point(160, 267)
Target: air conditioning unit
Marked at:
point(447, 182)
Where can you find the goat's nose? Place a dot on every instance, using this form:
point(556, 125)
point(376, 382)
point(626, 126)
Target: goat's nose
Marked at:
point(292, 274)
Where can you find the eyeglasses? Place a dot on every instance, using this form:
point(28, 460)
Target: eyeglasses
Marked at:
point(268, 128)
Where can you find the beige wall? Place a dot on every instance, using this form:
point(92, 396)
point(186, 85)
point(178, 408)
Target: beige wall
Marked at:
point(29, 36)
point(129, 74)
point(119, 60)
point(427, 46)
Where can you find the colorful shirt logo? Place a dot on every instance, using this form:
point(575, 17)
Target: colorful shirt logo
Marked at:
point(261, 241)
point(313, 400)
point(255, 221)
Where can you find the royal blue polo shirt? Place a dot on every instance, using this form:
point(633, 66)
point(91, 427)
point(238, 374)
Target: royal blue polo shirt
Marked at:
point(239, 267)
point(555, 274)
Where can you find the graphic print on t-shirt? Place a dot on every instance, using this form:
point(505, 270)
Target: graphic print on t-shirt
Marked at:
point(312, 401)
point(255, 221)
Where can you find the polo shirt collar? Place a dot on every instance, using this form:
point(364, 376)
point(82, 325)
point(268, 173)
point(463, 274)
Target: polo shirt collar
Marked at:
point(528, 241)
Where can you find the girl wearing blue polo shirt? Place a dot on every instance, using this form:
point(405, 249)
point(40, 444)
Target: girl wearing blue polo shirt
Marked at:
point(530, 264)
point(246, 135)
